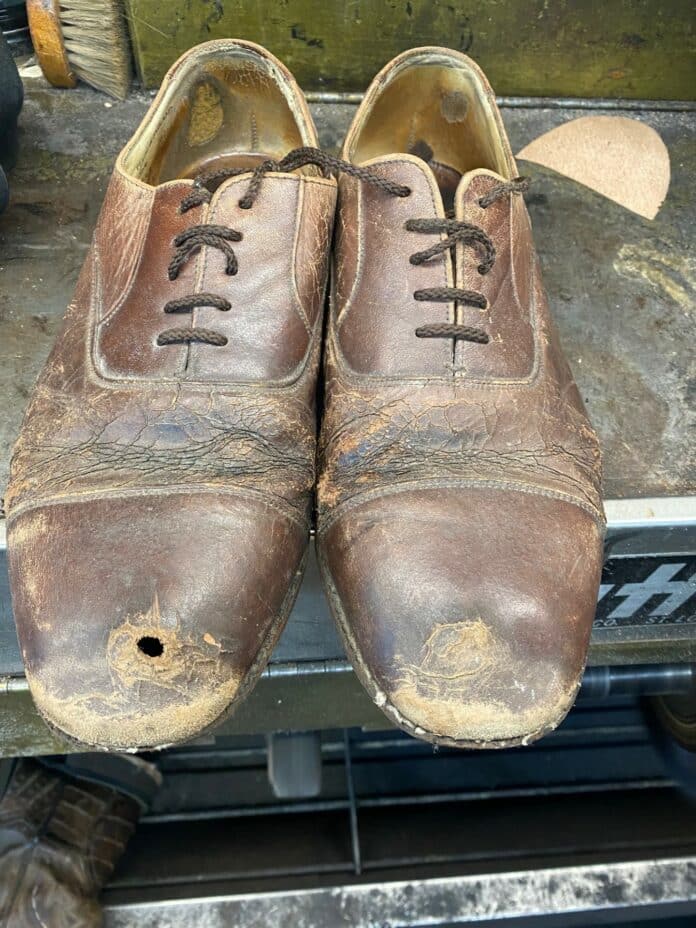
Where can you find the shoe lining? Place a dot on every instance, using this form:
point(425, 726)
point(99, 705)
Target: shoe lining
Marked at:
point(218, 110)
point(437, 103)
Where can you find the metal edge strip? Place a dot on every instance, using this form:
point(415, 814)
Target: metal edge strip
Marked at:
point(432, 902)
point(651, 511)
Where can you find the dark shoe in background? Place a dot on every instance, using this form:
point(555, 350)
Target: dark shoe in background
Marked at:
point(11, 99)
point(460, 517)
point(61, 835)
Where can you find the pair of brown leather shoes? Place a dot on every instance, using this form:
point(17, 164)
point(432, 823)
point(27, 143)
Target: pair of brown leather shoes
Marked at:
point(162, 484)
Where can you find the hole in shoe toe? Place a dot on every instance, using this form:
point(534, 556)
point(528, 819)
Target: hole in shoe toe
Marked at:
point(150, 646)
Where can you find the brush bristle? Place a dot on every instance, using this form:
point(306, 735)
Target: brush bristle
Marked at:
point(96, 42)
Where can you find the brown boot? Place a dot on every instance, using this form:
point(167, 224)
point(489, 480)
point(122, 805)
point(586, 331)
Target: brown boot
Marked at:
point(161, 486)
point(460, 517)
point(60, 839)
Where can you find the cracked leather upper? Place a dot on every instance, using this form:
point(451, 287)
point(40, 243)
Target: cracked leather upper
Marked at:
point(165, 490)
point(399, 408)
point(460, 516)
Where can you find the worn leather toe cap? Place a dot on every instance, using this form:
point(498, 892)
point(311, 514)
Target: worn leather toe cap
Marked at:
point(143, 619)
point(467, 612)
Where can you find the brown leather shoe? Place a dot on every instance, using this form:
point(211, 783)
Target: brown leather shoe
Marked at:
point(460, 518)
point(60, 839)
point(161, 484)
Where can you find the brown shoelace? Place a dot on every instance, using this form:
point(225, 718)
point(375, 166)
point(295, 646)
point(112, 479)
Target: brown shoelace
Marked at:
point(468, 234)
point(194, 238)
point(191, 240)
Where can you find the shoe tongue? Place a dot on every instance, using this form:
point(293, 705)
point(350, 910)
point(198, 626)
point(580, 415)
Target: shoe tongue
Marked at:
point(447, 177)
point(234, 160)
point(457, 190)
point(411, 171)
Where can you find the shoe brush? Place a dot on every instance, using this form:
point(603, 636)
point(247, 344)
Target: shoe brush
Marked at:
point(82, 39)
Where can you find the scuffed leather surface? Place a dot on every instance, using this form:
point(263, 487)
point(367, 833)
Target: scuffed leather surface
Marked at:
point(205, 573)
point(458, 627)
point(118, 244)
point(94, 421)
point(460, 515)
point(60, 839)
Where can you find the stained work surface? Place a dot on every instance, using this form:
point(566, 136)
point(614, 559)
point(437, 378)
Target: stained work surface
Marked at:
point(566, 48)
point(621, 287)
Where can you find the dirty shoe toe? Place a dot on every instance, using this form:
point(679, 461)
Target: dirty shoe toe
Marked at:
point(143, 620)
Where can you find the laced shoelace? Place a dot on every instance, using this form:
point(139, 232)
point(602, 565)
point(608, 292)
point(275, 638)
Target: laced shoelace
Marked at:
point(191, 240)
point(459, 231)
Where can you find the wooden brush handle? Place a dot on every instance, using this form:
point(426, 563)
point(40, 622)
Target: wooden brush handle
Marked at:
point(47, 36)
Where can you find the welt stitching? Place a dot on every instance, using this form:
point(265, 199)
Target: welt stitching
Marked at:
point(357, 499)
point(126, 494)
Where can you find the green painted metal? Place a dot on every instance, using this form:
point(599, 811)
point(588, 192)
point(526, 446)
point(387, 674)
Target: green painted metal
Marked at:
point(571, 48)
